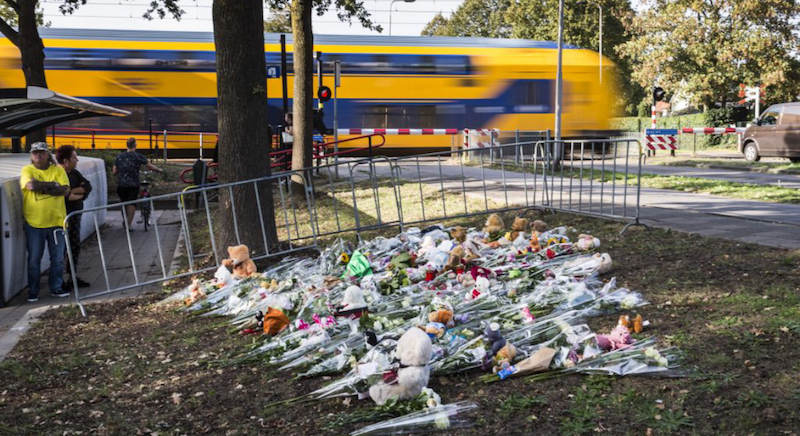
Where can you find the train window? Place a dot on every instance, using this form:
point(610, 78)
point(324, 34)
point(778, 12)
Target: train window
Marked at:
point(397, 116)
point(532, 96)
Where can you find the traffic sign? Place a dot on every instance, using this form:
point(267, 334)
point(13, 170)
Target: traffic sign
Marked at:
point(661, 131)
point(273, 71)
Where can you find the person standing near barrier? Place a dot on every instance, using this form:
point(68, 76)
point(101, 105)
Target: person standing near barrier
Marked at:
point(126, 168)
point(44, 185)
point(79, 189)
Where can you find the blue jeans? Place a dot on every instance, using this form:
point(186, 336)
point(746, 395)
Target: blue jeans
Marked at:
point(35, 239)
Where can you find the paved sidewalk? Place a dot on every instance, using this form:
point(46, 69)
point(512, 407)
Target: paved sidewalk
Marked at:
point(770, 224)
point(115, 250)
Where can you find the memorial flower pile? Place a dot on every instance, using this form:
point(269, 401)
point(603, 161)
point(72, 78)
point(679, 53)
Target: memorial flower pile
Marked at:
point(504, 303)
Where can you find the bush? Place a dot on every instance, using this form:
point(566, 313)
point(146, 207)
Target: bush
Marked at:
point(721, 117)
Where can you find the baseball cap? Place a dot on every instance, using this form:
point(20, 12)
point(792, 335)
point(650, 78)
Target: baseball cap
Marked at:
point(39, 146)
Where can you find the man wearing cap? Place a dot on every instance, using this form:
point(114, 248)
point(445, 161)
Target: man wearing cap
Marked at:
point(44, 186)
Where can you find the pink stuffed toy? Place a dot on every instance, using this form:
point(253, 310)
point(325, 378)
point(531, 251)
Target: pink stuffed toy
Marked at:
point(619, 338)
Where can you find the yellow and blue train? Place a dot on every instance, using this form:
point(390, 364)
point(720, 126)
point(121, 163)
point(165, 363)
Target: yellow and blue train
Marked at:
point(387, 82)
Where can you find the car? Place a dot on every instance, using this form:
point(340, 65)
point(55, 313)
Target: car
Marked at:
point(775, 134)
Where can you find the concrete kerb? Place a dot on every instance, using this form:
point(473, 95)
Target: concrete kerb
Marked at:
point(10, 339)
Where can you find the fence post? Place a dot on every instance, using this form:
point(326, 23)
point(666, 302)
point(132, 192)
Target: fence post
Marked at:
point(694, 145)
point(201, 145)
point(165, 145)
point(516, 149)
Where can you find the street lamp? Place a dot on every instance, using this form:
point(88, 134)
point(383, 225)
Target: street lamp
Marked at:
point(390, 12)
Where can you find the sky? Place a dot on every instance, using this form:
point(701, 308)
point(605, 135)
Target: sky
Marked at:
point(407, 18)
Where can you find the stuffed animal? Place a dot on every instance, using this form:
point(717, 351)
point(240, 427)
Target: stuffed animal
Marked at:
point(604, 260)
point(635, 326)
point(587, 242)
point(494, 225)
point(414, 349)
point(519, 226)
point(504, 357)
point(435, 330)
point(443, 316)
point(454, 262)
point(272, 322)
point(500, 351)
point(239, 262)
point(481, 288)
point(459, 234)
point(539, 226)
point(196, 293)
point(619, 338)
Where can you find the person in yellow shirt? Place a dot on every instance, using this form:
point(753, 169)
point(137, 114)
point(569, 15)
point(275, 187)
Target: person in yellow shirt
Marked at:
point(44, 185)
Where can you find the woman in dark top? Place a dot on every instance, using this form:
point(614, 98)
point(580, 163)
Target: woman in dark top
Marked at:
point(80, 188)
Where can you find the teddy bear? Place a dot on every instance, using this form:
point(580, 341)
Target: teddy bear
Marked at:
point(196, 293)
point(454, 262)
point(443, 316)
point(239, 262)
point(500, 350)
point(539, 226)
point(494, 225)
point(414, 350)
point(587, 242)
point(635, 326)
point(619, 338)
point(519, 226)
point(435, 330)
point(459, 234)
point(272, 322)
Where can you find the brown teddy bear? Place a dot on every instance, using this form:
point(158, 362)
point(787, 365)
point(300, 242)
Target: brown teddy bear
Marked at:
point(519, 226)
point(459, 234)
point(454, 262)
point(444, 316)
point(504, 357)
point(494, 224)
point(196, 293)
point(239, 262)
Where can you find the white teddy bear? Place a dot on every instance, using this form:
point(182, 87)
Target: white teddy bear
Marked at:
point(414, 349)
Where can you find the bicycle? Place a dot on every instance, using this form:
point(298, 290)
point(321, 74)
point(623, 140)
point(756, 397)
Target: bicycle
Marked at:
point(145, 207)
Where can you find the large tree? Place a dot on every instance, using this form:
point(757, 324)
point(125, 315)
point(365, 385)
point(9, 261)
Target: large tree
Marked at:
point(242, 124)
point(705, 48)
point(538, 20)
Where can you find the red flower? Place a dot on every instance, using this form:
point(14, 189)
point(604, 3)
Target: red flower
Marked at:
point(550, 254)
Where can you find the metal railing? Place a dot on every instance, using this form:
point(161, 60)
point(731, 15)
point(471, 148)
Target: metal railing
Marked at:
point(595, 178)
point(294, 222)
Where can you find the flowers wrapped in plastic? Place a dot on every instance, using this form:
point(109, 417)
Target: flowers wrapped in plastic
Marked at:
point(442, 417)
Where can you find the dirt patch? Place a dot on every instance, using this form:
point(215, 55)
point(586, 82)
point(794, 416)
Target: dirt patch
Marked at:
point(733, 308)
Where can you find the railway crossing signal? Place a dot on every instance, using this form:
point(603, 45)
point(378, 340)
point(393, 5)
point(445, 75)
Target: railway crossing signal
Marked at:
point(658, 93)
point(324, 93)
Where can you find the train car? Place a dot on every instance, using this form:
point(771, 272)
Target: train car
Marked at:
point(168, 82)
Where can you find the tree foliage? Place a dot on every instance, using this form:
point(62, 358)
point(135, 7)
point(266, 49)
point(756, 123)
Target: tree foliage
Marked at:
point(474, 18)
point(705, 48)
point(279, 22)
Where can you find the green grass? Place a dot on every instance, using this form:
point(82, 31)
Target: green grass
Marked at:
point(697, 185)
point(784, 167)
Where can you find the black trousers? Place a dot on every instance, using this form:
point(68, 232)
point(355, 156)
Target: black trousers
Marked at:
point(74, 235)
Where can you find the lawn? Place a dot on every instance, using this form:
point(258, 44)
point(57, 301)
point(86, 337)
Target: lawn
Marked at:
point(780, 167)
point(733, 308)
point(698, 185)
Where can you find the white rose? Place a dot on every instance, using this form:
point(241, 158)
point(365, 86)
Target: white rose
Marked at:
point(442, 421)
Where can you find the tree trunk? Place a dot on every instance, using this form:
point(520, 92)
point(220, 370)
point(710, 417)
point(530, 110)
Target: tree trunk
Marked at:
point(302, 101)
point(243, 131)
point(32, 51)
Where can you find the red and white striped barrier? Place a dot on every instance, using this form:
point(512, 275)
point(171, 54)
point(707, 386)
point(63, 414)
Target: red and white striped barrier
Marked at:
point(481, 138)
point(661, 142)
point(714, 130)
point(398, 131)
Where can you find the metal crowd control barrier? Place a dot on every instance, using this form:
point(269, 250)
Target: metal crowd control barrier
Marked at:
point(599, 178)
point(294, 224)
